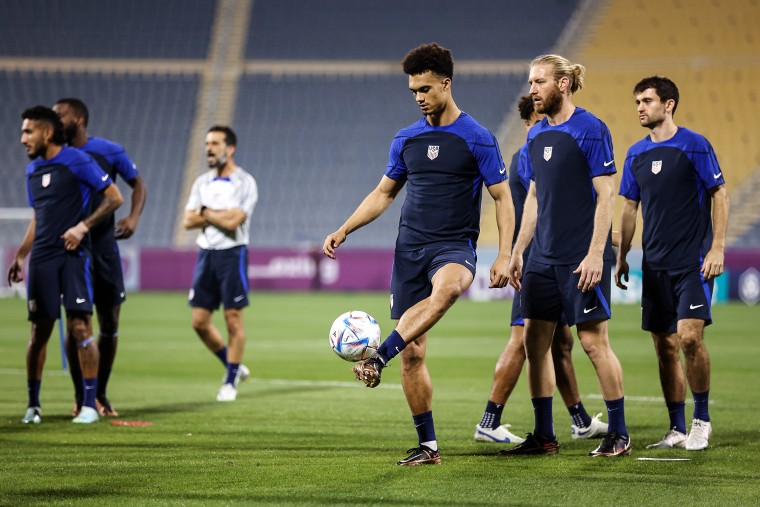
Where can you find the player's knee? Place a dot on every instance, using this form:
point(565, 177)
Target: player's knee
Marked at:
point(668, 348)
point(691, 343)
point(200, 324)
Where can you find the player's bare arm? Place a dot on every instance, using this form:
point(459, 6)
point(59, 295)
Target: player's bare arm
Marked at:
point(627, 228)
point(127, 226)
point(225, 219)
point(525, 236)
point(713, 263)
point(505, 223)
point(14, 272)
point(370, 208)
point(112, 199)
point(591, 266)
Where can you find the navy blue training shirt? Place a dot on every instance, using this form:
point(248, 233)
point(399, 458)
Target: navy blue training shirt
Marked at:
point(444, 169)
point(672, 180)
point(113, 159)
point(562, 160)
point(60, 191)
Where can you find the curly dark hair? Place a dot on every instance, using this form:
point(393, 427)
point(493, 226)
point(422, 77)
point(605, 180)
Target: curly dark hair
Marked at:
point(42, 113)
point(429, 57)
point(526, 108)
point(665, 88)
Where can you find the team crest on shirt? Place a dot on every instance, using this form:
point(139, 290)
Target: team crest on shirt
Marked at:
point(547, 153)
point(45, 180)
point(433, 152)
point(656, 166)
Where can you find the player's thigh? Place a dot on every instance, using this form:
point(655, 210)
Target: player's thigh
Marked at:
point(205, 291)
point(108, 279)
point(77, 282)
point(540, 294)
point(409, 280)
point(43, 289)
point(232, 273)
point(450, 281)
point(694, 295)
point(658, 302)
point(582, 306)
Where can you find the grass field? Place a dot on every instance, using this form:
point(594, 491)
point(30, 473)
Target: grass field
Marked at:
point(303, 433)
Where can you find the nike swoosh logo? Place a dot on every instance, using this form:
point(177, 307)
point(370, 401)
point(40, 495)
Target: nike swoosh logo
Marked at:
point(503, 170)
point(587, 310)
point(238, 298)
point(607, 164)
point(694, 307)
point(581, 433)
point(104, 178)
point(468, 262)
point(716, 176)
point(80, 300)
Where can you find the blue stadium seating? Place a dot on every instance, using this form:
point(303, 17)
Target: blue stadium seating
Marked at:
point(106, 29)
point(317, 145)
point(150, 116)
point(386, 30)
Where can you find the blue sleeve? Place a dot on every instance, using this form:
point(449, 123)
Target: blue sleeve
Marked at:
point(523, 162)
point(91, 174)
point(706, 164)
point(490, 162)
point(599, 155)
point(125, 167)
point(396, 169)
point(628, 186)
point(29, 196)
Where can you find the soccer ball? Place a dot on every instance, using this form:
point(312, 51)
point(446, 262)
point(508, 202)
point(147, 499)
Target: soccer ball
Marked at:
point(355, 336)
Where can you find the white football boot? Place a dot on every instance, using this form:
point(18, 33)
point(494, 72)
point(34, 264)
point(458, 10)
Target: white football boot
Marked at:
point(699, 435)
point(87, 415)
point(227, 393)
point(596, 428)
point(32, 416)
point(672, 438)
point(499, 435)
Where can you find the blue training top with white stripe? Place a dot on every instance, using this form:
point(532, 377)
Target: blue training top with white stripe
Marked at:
point(562, 160)
point(60, 191)
point(672, 180)
point(113, 159)
point(444, 168)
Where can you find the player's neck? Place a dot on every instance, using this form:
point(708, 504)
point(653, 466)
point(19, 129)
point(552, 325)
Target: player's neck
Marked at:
point(564, 114)
point(446, 117)
point(80, 139)
point(664, 131)
point(227, 169)
point(51, 151)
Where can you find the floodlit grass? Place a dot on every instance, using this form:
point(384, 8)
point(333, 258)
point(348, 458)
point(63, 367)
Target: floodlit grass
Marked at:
point(302, 433)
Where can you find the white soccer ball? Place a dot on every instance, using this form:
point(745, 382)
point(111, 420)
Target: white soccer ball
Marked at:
point(355, 336)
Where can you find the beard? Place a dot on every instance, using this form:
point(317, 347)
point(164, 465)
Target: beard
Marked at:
point(217, 162)
point(69, 133)
point(37, 153)
point(552, 104)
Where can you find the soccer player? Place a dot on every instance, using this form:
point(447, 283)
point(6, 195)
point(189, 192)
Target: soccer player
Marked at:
point(510, 363)
point(60, 183)
point(220, 205)
point(444, 158)
point(571, 165)
point(108, 284)
point(675, 175)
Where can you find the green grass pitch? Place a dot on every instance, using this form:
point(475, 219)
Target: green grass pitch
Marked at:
point(303, 433)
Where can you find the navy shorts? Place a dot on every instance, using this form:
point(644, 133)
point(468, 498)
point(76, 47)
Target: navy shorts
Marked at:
point(673, 295)
point(413, 271)
point(221, 276)
point(60, 279)
point(548, 291)
point(517, 312)
point(109, 279)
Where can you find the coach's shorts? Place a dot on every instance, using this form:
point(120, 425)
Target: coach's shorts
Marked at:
point(548, 291)
point(670, 296)
point(517, 312)
point(413, 271)
point(221, 276)
point(109, 279)
point(60, 279)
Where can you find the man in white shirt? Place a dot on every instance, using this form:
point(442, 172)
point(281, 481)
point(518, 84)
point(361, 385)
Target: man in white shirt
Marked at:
point(220, 204)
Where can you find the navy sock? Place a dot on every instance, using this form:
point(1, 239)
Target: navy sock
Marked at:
point(232, 371)
point(492, 415)
point(579, 415)
point(676, 410)
point(700, 406)
point(391, 347)
point(90, 389)
point(544, 422)
point(33, 388)
point(423, 423)
point(107, 349)
point(222, 355)
point(616, 415)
